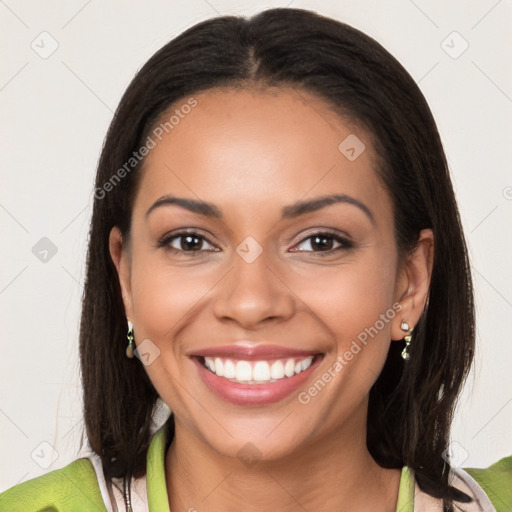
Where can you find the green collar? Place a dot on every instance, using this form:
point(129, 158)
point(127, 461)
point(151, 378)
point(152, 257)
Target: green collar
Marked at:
point(157, 487)
point(405, 501)
point(155, 472)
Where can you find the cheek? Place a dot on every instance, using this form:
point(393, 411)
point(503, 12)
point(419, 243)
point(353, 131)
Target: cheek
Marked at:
point(165, 296)
point(356, 305)
point(165, 299)
point(350, 298)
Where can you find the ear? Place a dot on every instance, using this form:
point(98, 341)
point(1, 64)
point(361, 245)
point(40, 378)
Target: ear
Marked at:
point(413, 283)
point(120, 256)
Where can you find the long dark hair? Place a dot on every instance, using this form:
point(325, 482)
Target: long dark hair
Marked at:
point(411, 404)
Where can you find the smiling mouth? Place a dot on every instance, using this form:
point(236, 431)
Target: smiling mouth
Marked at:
point(257, 371)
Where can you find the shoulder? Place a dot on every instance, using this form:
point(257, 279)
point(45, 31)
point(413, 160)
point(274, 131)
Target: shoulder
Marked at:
point(496, 481)
point(73, 488)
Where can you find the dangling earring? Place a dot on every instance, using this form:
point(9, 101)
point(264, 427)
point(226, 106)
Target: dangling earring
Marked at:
point(130, 348)
point(405, 327)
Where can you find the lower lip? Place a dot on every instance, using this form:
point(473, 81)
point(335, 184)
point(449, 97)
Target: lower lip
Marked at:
point(254, 394)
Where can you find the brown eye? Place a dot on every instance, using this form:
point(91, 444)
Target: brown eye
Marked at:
point(189, 242)
point(185, 242)
point(324, 242)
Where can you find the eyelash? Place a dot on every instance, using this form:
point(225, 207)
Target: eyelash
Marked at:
point(345, 243)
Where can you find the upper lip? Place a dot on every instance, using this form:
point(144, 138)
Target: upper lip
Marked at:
point(259, 352)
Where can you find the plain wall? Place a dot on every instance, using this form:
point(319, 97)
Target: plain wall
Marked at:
point(55, 113)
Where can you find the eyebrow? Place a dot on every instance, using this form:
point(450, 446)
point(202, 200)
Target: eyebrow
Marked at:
point(288, 212)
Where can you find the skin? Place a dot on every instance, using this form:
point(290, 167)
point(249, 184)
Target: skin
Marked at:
point(251, 152)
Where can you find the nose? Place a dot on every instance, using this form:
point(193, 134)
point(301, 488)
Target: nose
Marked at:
point(253, 294)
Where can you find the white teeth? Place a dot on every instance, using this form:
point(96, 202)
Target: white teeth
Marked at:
point(306, 363)
point(261, 371)
point(243, 371)
point(277, 370)
point(289, 368)
point(257, 371)
point(219, 367)
point(229, 369)
point(209, 363)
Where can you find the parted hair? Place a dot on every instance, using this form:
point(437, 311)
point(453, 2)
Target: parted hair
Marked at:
point(411, 404)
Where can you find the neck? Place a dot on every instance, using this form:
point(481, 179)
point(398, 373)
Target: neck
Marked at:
point(331, 474)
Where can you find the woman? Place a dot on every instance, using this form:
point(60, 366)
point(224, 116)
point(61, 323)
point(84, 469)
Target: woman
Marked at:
point(275, 237)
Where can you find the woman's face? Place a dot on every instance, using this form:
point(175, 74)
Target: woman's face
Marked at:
point(300, 300)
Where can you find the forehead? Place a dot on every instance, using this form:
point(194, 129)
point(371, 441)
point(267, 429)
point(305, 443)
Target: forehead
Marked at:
point(258, 147)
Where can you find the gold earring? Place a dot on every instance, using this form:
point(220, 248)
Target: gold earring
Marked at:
point(130, 348)
point(405, 327)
